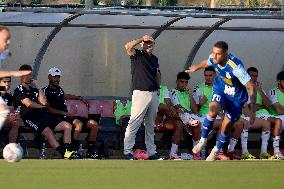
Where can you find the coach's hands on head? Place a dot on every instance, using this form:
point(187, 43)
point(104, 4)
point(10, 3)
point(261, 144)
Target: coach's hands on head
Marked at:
point(148, 38)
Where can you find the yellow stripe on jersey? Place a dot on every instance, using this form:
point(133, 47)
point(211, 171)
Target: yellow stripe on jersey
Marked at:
point(231, 63)
point(228, 81)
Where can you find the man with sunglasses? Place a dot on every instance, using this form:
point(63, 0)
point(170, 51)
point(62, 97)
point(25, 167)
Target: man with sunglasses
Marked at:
point(145, 84)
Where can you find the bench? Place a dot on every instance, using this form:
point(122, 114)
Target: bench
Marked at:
point(108, 135)
point(111, 135)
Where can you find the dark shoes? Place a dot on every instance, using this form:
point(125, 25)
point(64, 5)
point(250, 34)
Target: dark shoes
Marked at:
point(92, 155)
point(155, 156)
point(128, 156)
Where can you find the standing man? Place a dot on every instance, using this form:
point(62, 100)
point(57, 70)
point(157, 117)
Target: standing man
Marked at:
point(4, 52)
point(145, 100)
point(229, 92)
point(56, 106)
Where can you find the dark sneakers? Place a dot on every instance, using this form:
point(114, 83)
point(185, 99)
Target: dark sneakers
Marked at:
point(92, 155)
point(155, 156)
point(77, 155)
point(128, 157)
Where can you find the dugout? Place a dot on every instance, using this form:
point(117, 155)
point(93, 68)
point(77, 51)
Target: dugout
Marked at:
point(88, 46)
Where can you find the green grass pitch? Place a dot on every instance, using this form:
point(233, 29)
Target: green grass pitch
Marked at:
point(121, 174)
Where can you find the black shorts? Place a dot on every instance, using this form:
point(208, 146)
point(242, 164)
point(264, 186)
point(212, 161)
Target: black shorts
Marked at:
point(38, 120)
point(84, 120)
point(70, 119)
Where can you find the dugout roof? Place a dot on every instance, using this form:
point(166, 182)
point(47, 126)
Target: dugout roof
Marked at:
point(88, 45)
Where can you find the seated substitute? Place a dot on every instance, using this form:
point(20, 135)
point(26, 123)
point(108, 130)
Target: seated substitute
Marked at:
point(56, 106)
point(122, 109)
point(32, 103)
point(184, 103)
point(168, 117)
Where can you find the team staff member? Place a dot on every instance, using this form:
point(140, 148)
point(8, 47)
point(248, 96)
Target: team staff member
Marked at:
point(145, 100)
point(33, 103)
point(55, 105)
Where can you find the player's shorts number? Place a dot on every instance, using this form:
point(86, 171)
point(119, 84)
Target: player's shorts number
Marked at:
point(216, 98)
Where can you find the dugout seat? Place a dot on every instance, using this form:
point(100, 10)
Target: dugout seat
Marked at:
point(77, 107)
point(103, 107)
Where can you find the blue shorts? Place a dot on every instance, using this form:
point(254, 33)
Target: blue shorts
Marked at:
point(231, 106)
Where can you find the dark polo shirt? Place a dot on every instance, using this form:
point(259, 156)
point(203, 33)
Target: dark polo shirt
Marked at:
point(144, 69)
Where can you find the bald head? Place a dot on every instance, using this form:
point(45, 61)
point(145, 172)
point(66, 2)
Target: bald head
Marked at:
point(4, 38)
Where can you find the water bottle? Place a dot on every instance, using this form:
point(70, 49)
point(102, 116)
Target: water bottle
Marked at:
point(21, 141)
point(43, 151)
point(81, 150)
point(203, 154)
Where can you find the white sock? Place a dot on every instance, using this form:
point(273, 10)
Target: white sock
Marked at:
point(203, 140)
point(215, 149)
point(174, 148)
point(244, 141)
point(194, 142)
point(232, 144)
point(264, 140)
point(185, 117)
point(3, 116)
point(276, 141)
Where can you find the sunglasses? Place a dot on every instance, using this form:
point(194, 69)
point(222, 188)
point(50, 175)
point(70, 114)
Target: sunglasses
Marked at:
point(147, 42)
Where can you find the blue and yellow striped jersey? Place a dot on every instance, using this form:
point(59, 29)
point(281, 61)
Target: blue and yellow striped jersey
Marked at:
point(231, 78)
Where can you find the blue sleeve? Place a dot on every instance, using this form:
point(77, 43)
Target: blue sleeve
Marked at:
point(240, 72)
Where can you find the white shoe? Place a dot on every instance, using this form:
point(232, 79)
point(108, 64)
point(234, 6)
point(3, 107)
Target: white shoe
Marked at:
point(277, 156)
point(186, 156)
point(174, 157)
point(199, 146)
point(213, 154)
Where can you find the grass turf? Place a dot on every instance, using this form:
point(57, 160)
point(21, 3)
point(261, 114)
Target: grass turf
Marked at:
point(120, 174)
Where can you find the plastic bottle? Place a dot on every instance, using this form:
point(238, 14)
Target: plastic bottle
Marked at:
point(43, 151)
point(81, 151)
point(203, 154)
